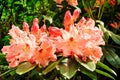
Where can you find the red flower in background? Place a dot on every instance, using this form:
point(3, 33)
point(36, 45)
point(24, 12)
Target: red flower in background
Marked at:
point(114, 25)
point(70, 2)
point(112, 2)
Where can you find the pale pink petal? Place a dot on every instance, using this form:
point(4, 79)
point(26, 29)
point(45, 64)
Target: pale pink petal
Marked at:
point(35, 27)
point(43, 28)
point(67, 20)
point(26, 27)
point(76, 14)
point(81, 22)
point(90, 23)
point(44, 54)
point(13, 64)
point(54, 31)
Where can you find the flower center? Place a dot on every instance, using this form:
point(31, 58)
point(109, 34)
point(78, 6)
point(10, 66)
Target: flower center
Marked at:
point(71, 39)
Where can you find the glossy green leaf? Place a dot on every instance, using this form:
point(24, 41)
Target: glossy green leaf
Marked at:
point(24, 68)
point(105, 31)
point(104, 73)
point(100, 64)
point(68, 69)
point(51, 66)
point(101, 25)
point(112, 57)
point(106, 37)
point(88, 65)
point(90, 74)
point(115, 38)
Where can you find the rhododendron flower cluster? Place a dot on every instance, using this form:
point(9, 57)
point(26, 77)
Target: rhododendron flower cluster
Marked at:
point(39, 45)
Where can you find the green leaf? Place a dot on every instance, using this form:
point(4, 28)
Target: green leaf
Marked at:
point(115, 38)
point(100, 64)
point(92, 75)
point(106, 5)
point(101, 25)
point(5, 14)
point(24, 68)
point(18, 2)
point(2, 56)
point(107, 33)
point(88, 65)
point(12, 72)
point(106, 37)
point(68, 69)
point(51, 66)
point(105, 74)
point(6, 72)
point(92, 2)
point(118, 2)
point(112, 57)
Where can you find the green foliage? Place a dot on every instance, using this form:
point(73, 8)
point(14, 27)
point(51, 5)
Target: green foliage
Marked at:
point(112, 57)
point(89, 73)
point(105, 74)
point(118, 2)
point(90, 65)
point(100, 64)
point(24, 67)
point(68, 69)
point(51, 66)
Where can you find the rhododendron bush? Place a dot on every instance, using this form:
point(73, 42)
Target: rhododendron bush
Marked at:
point(38, 46)
point(75, 48)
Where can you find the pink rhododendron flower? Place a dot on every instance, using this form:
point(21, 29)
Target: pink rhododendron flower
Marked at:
point(69, 42)
point(24, 44)
point(21, 47)
point(39, 33)
point(82, 40)
point(94, 53)
point(45, 53)
point(88, 31)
